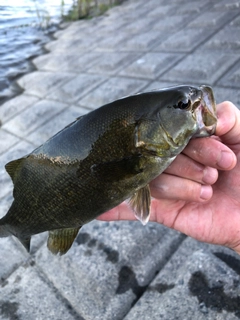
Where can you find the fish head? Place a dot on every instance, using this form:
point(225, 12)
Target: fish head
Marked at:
point(205, 113)
point(174, 116)
point(188, 112)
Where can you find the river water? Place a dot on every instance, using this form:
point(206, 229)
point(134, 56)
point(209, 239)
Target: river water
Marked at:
point(22, 35)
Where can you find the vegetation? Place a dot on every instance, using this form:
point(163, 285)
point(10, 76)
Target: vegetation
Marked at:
point(88, 8)
point(81, 9)
point(43, 16)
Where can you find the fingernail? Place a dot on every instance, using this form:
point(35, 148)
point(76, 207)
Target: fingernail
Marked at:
point(226, 160)
point(206, 192)
point(210, 175)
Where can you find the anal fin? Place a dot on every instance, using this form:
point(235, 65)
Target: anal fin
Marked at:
point(140, 203)
point(61, 240)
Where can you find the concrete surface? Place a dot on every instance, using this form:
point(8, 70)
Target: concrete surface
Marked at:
point(120, 270)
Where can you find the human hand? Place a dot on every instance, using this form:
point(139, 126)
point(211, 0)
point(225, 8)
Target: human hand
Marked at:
point(199, 194)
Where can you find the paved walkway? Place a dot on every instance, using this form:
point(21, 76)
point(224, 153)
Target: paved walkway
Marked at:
point(121, 270)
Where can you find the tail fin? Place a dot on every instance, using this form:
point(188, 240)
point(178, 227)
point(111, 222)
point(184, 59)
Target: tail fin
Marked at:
point(3, 232)
point(25, 241)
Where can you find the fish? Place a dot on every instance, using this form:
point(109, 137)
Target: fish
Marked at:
point(103, 158)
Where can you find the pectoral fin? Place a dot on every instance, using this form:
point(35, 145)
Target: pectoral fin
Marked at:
point(61, 240)
point(140, 203)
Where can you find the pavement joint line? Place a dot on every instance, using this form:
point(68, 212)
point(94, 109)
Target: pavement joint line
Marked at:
point(226, 72)
point(59, 295)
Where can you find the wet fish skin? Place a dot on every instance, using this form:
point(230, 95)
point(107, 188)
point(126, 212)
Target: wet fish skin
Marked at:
point(102, 159)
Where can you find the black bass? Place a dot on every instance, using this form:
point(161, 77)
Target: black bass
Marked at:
point(101, 159)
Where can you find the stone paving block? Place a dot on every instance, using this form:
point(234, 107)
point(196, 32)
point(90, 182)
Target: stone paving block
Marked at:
point(14, 106)
point(5, 204)
point(129, 11)
point(155, 85)
point(227, 94)
point(111, 43)
point(128, 6)
point(191, 9)
point(11, 259)
point(141, 42)
point(7, 140)
point(226, 39)
point(111, 62)
point(235, 22)
point(39, 83)
point(211, 19)
point(76, 88)
point(26, 296)
point(114, 88)
point(227, 5)
point(17, 151)
point(108, 27)
point(139, 26)
point(151, 65)
point(68, 62)
point(199, 282)
point(11, 255)
point(103, 25)
point(170, 25)
point(181, 2)
point(158, 10)
point(74, 45)
point(201, 68)
point(26, 122)
point(71, 30)
point(185, 40)
point(232, 78)
point(109, 266)
point(60, 121)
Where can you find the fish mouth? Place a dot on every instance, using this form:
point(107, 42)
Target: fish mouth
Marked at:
point(206, 113)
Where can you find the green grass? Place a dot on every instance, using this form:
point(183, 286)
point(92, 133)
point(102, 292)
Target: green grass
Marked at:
point(85, 9)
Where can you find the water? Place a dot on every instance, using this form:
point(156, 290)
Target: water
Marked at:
point(22, 35)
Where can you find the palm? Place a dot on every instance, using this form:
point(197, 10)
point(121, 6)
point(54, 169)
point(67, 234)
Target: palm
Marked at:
point(216, 221)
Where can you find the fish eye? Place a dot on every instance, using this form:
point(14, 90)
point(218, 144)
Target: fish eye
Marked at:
point(183, 105)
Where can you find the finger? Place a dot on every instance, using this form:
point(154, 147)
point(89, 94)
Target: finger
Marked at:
point(187, 168)
point(171, 187)
point(228, 126)
point(121, 212)
point(211, 152)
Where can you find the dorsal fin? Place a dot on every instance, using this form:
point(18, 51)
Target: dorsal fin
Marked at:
point(61, 240)
point(13, 167)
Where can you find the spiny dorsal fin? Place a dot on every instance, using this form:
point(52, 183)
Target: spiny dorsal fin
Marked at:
point(140, 203)
point(61, 240)
point(13, 167)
